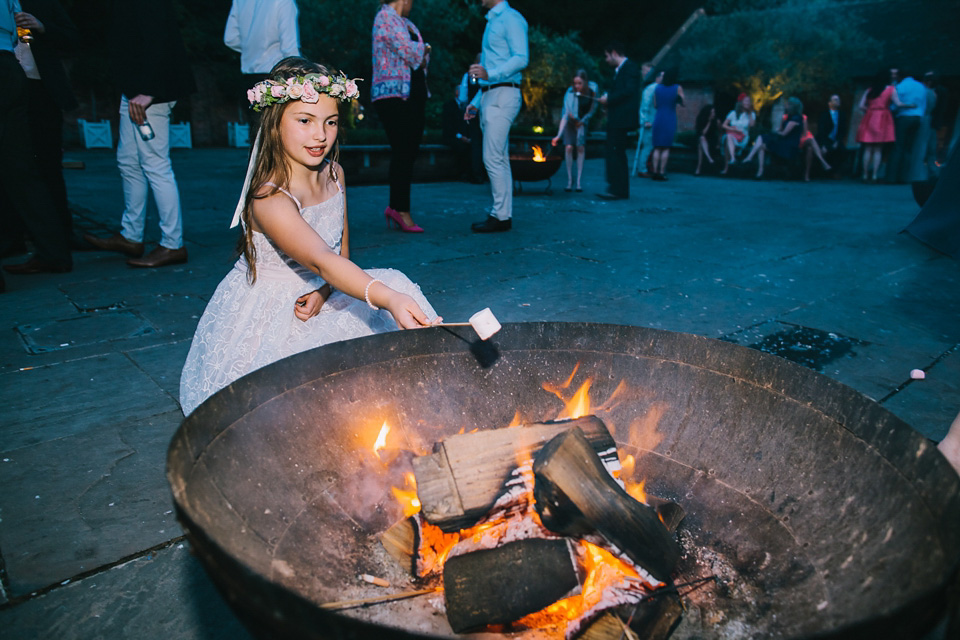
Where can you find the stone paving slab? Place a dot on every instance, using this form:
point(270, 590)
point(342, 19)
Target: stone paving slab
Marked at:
point(85, 500)
point(51, 402)
point(160, 596)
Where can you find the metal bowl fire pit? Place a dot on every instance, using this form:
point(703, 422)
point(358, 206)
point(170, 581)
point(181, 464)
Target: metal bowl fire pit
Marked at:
point(824, 514)
point(525, 168)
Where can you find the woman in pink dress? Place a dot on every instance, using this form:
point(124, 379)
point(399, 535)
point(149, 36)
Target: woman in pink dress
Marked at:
point(876, 127)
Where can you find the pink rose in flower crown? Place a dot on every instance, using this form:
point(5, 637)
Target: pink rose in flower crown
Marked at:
point(295, 91)
point(253, 95)
point(310, 93)
point(352, 90)
point(277, 91)
point(323, 81)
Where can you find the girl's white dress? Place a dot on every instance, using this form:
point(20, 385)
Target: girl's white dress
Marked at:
point(247, 326)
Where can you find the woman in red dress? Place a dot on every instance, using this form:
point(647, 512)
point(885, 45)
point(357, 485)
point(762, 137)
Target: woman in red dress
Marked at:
point(876, 128)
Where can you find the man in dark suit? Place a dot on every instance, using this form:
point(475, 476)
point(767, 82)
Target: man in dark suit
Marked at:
point(19, 176)
point(623, 105)
point(832, 132)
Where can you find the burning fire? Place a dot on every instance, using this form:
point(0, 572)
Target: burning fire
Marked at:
point(381, 442)
point(609, 580)
point(538, 154)
point(407, 497)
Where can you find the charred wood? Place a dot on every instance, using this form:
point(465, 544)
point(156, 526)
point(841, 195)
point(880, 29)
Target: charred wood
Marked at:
point(575, 496)
point(460, 481)
point(500, 585)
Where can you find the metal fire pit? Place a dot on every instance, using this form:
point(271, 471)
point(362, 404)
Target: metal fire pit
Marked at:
point(825, 515)
point(525, 169)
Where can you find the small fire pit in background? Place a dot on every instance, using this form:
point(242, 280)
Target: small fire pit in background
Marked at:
point(534, 168)
point(822, 513)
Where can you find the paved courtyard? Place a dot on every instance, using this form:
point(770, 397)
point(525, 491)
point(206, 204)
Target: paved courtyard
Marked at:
point(90, 360)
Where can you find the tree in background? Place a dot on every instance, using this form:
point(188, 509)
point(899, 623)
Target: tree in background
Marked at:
point(554, 58)
point(768, 54)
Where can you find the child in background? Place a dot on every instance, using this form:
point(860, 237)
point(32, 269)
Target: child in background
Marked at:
point(293, 287)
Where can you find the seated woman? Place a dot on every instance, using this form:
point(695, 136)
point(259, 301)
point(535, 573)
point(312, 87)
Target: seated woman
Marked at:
point(809, 145)
point(707, 128)
point(736, 130)
point(784, 143)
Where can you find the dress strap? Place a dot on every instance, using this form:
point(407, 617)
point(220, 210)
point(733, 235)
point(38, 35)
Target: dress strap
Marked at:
point(292, 197)
point(336, 178)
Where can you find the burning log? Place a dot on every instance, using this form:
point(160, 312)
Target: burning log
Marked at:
point(500, 585)
point(575, 496)
point(460, 481)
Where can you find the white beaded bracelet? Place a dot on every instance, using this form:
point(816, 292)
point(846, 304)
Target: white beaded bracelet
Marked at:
point(366, 294)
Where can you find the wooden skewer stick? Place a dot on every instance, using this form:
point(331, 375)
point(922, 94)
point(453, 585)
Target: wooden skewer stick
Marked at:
point(403, 595)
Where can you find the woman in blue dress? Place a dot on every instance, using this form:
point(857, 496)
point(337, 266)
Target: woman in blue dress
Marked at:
point(666, 97)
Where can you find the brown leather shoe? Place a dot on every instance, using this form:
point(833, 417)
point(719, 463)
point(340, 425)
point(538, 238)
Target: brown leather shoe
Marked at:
point(116, 242)
point(160, 257)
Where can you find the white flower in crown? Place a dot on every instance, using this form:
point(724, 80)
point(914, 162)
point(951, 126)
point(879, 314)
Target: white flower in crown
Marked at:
point(295, 91)
point(335, 89)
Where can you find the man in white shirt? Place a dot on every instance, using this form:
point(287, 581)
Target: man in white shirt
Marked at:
point(264, 32)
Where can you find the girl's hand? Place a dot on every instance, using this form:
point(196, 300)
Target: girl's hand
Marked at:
point(554, 141)
point(406, 312)
point(309, 305)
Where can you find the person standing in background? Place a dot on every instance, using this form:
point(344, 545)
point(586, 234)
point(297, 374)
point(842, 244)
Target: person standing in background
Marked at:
point(907, 119)
point(647, 112)
point(264, 32)
point(399, 94)
point(623, 106)
point(49, 92)
point(505, 53)
point(667, 96)
point(151, 68)
point(19, 176)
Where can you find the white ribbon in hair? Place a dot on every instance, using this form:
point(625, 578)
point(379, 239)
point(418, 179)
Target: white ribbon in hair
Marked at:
point(246, 181)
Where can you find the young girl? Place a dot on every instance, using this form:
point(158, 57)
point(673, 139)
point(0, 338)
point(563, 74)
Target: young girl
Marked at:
point(294, 288)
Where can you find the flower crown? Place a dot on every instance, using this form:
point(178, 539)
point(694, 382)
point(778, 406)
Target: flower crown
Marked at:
point(306, 88)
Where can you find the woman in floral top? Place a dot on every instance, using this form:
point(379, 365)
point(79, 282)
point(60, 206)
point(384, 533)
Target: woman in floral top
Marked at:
point(399, 94)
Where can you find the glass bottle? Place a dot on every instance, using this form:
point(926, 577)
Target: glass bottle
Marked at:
point(146, 131)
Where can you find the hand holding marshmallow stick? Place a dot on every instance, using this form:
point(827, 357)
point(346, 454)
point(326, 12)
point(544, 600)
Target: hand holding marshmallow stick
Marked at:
point(483, 322)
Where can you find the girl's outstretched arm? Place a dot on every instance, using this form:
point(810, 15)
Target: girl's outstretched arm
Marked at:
point(278, 218)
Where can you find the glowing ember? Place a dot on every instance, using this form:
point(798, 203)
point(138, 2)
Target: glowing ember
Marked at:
point(538, 154)
point(381, 442)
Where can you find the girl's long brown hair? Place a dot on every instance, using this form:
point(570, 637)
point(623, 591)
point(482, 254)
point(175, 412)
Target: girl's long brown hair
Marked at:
point(271, 161)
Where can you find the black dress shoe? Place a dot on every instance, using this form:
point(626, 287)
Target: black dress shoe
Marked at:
point(491, 225)
point(35, 265)
point(610, 196)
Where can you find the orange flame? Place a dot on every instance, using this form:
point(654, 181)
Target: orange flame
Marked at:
point(538, 154)
point(407, 497)
point(381, 442)
point(636, 490)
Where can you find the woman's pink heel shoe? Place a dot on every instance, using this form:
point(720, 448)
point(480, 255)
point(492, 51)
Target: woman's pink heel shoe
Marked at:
point(394, 216)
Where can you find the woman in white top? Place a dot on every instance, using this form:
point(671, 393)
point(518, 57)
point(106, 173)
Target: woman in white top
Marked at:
point(579, 105)
point(736, 130)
